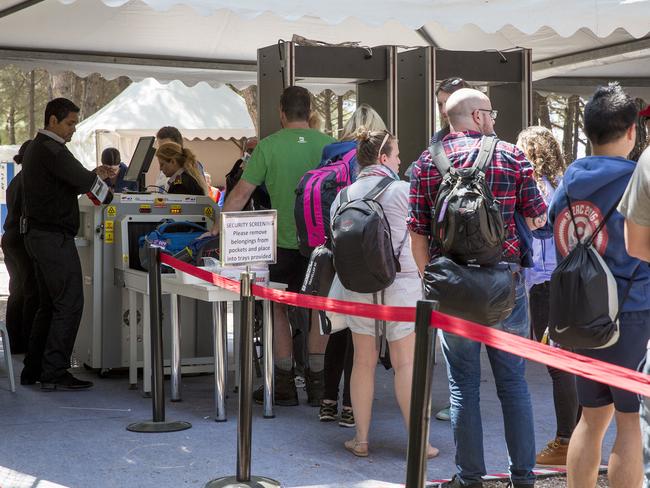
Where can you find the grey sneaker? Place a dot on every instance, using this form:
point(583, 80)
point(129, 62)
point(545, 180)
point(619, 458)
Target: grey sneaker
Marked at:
point(444, 414)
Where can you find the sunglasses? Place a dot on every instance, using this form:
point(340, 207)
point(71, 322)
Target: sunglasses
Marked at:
point(493, 113)
point(447, 85)
point(383, 143)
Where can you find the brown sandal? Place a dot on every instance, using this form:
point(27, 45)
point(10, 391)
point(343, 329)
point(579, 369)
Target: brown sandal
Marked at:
point(356, 447)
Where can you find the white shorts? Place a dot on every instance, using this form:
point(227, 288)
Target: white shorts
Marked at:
point(405, 291)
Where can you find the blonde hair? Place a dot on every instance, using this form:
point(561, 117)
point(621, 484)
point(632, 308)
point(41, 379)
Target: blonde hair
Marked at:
point(363, 117)
point(369, 145)
point(170, 151)
point(544, 152)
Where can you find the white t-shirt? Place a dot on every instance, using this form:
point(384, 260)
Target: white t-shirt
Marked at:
point(635, 204)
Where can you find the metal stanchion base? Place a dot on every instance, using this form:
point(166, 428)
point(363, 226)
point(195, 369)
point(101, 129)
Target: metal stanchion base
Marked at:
point(152, 427)
point(255, 482)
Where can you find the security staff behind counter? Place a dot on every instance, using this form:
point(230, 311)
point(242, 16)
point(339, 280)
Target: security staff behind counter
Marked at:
point(179, 165)
point(53, 178)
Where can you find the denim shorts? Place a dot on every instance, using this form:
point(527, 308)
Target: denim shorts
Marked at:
point(628, 352)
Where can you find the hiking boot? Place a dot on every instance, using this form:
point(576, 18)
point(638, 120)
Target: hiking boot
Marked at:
point(520, 485)
point(455, 482)
point(66, 382)
point(315, 383)
point(328, 411)
point(554, 454)
point(285, 394)
point(444, 414)
point(347, 417)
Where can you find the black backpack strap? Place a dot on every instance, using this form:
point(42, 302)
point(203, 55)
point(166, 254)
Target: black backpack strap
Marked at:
point(378, 189)
point(603, 222)
point(439, 158)
point(600, 225)
point(485, 153)
point(626, 293)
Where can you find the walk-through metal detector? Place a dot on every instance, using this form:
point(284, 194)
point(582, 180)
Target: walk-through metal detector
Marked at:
point(399, 83)
point(371, 71)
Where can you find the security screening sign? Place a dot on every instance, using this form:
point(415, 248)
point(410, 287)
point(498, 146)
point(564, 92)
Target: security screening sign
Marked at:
point(248, 237)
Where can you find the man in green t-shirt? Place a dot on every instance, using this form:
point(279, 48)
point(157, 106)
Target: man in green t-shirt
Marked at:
point(279, 162)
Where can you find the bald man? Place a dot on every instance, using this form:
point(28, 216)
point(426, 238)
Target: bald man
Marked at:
point(510, 177)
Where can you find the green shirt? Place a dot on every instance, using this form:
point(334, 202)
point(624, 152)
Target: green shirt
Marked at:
point(279, 161)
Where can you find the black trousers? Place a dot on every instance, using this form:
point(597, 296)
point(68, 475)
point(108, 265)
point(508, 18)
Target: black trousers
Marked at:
point(23, 291)
point(61, 302)
point(565, 394)
point(338, 359)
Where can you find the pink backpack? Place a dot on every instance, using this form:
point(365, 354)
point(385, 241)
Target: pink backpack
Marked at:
point(314, 196)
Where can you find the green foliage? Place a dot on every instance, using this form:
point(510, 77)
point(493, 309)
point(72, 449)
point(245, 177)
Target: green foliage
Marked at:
point(15, 88)
point(24, 94)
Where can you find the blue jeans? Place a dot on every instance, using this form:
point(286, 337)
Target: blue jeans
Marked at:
point(464, 371)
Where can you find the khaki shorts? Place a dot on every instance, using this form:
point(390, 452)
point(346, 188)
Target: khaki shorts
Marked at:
point(405, 291)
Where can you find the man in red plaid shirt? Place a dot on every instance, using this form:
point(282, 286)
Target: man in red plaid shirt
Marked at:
point(510, 177)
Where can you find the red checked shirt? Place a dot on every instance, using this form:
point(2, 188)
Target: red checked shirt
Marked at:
point(509, 176)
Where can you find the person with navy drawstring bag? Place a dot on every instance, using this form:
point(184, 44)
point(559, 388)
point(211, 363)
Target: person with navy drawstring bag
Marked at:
point(594, 186)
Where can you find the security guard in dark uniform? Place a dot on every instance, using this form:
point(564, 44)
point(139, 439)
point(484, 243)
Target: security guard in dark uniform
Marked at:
point(52, 180)
point(23, 289)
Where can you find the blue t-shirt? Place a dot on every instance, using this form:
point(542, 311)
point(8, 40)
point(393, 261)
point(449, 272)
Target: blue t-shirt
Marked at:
point(595, 185)
point(120, 184)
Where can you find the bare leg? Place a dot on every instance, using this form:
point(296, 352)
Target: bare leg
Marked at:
point(282, 341)
point(585, 447)
point(626, 460)
point(317, 343)
point(362, 383)
point(401, 355)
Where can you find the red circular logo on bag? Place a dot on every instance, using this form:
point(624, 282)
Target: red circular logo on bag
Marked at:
point(587, 218)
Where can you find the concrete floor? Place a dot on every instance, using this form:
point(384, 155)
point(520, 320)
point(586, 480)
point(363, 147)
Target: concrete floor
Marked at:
point(79, 439)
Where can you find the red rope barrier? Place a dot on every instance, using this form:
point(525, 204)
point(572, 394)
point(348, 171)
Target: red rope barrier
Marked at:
point(592, 369)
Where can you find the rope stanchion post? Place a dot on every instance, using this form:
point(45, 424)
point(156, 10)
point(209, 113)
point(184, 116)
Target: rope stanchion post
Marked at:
point(425, 337)
point(219, 333)
point(243, 479)
point(158, 424)
point(267, 332)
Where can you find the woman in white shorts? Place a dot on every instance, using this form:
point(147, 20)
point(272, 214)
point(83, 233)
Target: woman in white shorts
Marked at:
point(378, 157)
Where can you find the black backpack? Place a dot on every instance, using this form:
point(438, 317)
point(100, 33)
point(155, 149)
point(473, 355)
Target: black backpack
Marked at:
point(584, 308)
point(361, 242)
point(259, 200)
point(467, 224)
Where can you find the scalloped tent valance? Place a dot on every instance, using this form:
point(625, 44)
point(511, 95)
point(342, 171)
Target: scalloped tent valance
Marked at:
point(217, 40)
point(600, 16)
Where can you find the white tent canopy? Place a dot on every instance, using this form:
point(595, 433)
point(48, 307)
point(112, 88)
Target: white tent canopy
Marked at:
point(200, 112)
point(217, 40)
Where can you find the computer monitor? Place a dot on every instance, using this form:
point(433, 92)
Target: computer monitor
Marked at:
point(140, 161)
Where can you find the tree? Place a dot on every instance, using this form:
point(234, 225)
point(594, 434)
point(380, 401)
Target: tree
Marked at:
point(23, 96)
point(249, 95)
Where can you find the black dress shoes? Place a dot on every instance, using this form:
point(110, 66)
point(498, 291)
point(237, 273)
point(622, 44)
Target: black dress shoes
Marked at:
point(28, 377)
point(65, 382)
